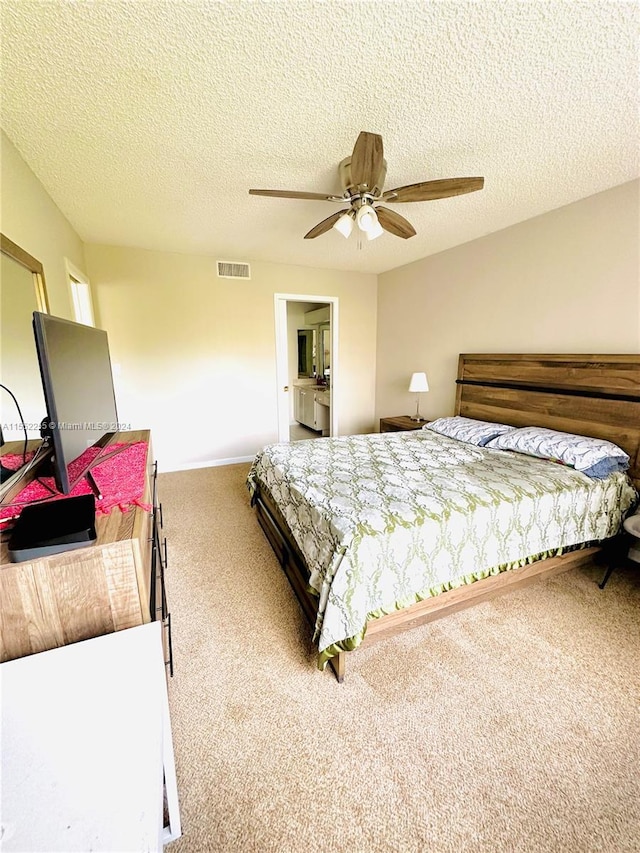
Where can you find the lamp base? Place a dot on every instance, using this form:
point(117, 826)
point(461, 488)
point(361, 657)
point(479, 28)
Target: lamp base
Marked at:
point(418, 419)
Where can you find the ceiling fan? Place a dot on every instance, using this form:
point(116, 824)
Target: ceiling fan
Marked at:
point(362, 176)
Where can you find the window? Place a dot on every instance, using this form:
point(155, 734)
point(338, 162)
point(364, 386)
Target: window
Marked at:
point(80, 295)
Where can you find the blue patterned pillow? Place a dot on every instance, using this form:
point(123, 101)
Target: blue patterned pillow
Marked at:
point(593, 456)
point(468, 429)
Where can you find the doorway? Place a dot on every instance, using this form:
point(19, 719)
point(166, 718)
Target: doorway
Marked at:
point(306, 365)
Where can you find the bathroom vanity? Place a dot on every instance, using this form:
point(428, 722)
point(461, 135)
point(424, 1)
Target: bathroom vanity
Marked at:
point(312, 406)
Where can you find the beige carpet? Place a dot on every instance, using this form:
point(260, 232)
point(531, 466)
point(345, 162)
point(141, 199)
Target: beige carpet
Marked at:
point(513, 726)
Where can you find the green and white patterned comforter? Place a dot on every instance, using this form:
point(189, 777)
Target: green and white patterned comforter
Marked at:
point(385, 520)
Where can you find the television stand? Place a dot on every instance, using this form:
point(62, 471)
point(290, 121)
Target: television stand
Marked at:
point(115, 583)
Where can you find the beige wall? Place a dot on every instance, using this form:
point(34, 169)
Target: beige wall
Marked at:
point(567, 281)
point(195, 354)
point(30, 218)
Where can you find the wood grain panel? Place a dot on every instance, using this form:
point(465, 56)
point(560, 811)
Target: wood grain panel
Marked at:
point(78, 589)
point(142, 533)
point(598, 373)
point(29, 620)
point(122, 585)
point(141, 544)
point(604, 418)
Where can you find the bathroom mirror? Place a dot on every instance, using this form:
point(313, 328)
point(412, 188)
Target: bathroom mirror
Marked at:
point(22, 291)
point(324, 368)
point(306, 352)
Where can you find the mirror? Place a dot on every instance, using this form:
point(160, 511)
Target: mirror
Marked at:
point(314, 352)
point(22, 291)
point(306, 352)
point(325, 350)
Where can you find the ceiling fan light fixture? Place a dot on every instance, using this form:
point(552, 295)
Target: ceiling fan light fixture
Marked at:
point(375, 231)
point(366, 218)
point(362, 177)
point(344, 225)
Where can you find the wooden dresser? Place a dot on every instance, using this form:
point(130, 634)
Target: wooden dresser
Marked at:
point(116, 583)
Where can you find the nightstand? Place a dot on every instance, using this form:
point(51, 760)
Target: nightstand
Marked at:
point(399, 423)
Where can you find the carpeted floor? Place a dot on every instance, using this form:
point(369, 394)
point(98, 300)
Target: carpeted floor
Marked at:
point(513, 726)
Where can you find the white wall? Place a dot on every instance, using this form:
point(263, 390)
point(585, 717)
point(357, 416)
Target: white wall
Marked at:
point(567, 281)
point(196, 353)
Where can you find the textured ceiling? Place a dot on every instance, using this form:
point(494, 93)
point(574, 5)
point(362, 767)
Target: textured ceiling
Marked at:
point(148, 121)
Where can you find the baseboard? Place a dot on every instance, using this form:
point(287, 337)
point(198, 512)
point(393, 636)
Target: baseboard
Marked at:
point(211, 463)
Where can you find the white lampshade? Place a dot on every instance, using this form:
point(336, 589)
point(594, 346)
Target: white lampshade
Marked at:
point(418, 383)
point(345, 224)
point(367, 218)
point(375, 231)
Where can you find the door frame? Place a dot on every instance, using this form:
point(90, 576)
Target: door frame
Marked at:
point(282, 358)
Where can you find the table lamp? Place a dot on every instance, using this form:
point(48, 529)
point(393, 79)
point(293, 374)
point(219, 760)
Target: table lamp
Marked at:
point(417, 386)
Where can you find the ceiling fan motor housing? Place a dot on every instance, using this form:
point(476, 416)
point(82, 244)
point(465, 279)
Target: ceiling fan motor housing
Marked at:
point(346, 181)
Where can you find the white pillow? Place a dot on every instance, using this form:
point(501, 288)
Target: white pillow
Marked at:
point(469, 430)
point(595, 457)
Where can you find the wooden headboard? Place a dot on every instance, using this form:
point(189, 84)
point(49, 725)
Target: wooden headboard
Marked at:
point(595, 395)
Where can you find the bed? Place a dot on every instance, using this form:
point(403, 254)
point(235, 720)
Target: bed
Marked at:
point(383, 532)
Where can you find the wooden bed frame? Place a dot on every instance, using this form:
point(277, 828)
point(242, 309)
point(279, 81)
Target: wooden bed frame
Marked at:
point(594, 395)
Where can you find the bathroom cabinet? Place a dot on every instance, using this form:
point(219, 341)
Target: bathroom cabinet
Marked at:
point(311, 407)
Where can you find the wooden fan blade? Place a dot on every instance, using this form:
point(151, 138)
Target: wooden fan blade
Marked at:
point(324, 226)
point(294, 194)
point(394, 223)
point(367, 160)
point(429, 190)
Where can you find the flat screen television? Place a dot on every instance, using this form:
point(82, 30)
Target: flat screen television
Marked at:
point(78, 389)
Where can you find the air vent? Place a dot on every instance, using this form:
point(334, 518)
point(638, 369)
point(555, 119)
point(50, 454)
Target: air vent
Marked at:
point(233, 269)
